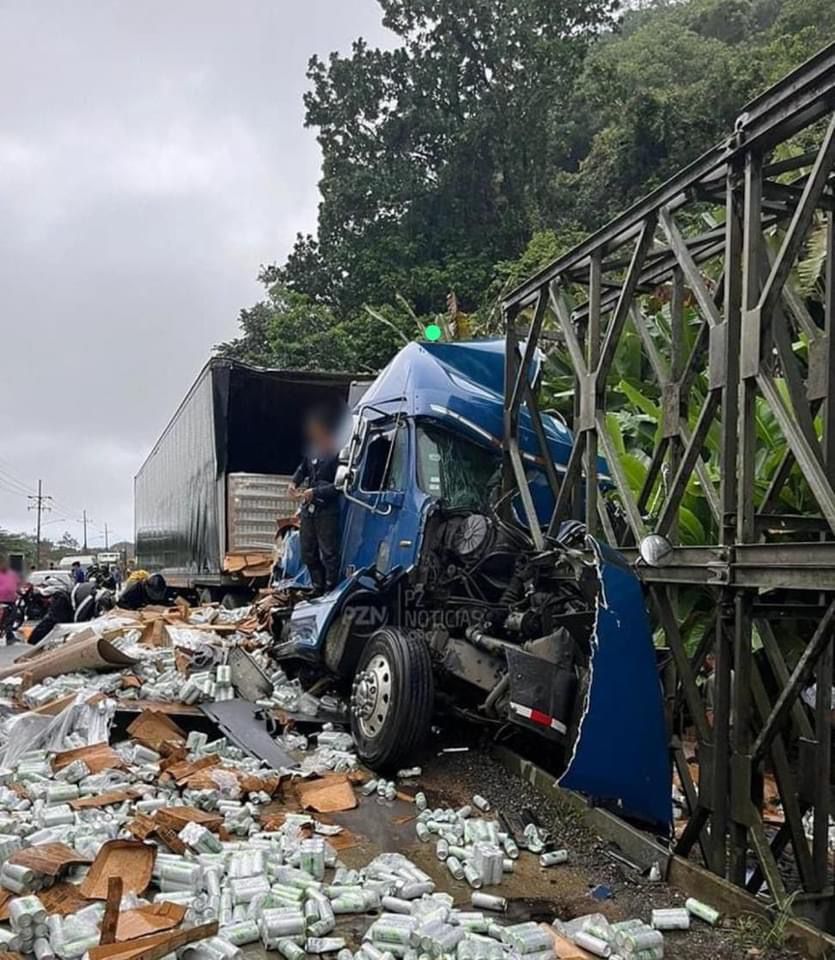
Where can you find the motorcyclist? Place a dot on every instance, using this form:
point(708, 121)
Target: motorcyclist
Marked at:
point(75, 604)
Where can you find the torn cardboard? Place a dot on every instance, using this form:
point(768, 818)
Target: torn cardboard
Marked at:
point(154, 946)
point(62, 898)
point(98, 757)
point(175, 818)
point(103, 799)
point(330, 794)
point(183, 770)
point(563, 948)
point(47, 858)
point(86, 651)
point(155, 634)
point(131, 860)
point(143, 921)
point(153, 727)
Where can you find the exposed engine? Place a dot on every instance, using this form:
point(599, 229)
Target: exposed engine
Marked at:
point(508, 621)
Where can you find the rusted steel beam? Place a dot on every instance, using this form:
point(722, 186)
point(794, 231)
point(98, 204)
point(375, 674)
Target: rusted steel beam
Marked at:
point(800, 676)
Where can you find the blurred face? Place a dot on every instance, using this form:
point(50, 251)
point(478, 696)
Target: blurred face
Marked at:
point(318, 434)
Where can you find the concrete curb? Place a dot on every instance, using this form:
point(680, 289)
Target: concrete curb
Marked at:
point(645, 850)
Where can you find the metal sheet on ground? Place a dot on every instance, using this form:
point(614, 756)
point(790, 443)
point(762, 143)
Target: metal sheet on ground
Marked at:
point(239, 722)
point(247, 677)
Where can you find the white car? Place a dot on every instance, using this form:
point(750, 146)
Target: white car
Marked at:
point(44, 578)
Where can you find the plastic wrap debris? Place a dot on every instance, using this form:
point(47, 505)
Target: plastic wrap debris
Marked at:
point(81, 723)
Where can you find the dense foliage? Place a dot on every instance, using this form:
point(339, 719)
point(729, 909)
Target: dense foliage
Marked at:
point(492, 135)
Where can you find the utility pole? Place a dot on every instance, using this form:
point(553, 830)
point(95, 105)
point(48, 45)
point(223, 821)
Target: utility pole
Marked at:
point(106, 540)
point(39, 503)
point(84, 521)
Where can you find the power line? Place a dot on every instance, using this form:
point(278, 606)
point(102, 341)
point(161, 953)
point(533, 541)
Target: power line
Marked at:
point(40, 504)
point(6, 471)
point(12, 490)
point(14, 484)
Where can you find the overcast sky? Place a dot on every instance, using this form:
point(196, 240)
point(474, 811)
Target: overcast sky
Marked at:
point(152, 156)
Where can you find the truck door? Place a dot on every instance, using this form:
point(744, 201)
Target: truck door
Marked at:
point(380, 528)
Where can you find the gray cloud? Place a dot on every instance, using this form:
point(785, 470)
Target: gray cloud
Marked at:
point(152, 156)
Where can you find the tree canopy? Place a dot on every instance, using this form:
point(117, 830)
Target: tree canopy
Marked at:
point(492, 136)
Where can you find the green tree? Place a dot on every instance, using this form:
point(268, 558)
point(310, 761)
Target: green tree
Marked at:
point(68, 542)
point(290, 331)
point(432, 151)
point(490, 138)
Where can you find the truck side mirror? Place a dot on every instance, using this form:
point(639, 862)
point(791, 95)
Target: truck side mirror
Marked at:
point(343, 475)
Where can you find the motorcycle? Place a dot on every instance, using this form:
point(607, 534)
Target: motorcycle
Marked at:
point(12, 616)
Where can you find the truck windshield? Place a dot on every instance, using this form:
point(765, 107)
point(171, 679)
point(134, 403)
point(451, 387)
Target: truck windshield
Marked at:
point(453, 469)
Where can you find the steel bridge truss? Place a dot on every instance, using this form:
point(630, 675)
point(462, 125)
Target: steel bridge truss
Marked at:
point(755, 340)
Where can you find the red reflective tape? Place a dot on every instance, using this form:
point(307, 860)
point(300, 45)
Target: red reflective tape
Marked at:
point(537, 716)
point(543, 719)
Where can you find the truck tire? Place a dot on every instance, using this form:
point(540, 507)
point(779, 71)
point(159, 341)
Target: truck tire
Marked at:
point(230, 601)
point(392, 698)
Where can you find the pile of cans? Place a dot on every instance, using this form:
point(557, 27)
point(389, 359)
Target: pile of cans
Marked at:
point(633, 939)
point(476, 849)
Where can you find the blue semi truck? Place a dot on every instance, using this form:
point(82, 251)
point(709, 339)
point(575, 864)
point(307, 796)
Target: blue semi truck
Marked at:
point(445, 596)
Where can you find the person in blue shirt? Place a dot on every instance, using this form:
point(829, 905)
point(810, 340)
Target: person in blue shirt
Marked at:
point(78, 574)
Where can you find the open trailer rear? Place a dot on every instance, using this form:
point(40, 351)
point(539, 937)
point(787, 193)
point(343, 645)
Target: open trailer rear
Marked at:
point(210, 493)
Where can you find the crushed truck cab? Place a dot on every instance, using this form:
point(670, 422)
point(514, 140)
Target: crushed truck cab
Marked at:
point(446, 598)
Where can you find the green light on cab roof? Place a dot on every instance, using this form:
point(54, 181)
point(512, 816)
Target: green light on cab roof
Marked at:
point(433, 332)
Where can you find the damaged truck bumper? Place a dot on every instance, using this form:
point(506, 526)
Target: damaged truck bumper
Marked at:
point(610, 726)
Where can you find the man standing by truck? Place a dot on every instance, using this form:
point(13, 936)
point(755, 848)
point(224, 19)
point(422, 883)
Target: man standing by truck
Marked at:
point(314, 484)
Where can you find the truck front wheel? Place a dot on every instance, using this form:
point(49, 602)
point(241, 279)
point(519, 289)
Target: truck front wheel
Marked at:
point(392, 698)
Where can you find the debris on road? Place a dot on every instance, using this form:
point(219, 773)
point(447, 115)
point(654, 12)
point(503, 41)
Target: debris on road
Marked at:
point(141, 840)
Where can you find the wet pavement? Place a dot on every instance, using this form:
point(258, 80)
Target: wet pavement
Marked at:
point(533, 892)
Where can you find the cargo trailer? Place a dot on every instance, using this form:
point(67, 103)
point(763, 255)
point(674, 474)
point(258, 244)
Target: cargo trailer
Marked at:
point(211, 492)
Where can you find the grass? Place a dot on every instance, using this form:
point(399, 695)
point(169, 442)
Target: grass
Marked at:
point(766, 932)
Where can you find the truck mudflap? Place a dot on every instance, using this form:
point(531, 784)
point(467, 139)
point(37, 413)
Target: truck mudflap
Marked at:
point(620, 755)
point(541, 694)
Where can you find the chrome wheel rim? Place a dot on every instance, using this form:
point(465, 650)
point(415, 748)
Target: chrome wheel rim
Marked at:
point(371, 696)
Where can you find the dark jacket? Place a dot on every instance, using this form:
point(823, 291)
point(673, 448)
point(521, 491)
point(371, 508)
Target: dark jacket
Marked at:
point(79, 604)
point(319, 474)
point(140, 593)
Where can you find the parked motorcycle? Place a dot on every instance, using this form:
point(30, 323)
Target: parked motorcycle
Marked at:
point(12, 617)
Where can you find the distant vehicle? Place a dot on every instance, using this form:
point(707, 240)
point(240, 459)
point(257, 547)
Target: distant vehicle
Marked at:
point(43, 578)
point(210, 496)
point(86, 560)
point(107, 559)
